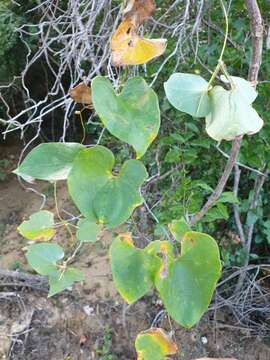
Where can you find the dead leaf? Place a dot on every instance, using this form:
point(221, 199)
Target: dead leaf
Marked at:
point(81, 94)
point(83, 340)
point(130, 49)
point(138, 10)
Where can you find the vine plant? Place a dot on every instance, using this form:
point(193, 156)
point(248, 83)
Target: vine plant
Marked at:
point(106, 198)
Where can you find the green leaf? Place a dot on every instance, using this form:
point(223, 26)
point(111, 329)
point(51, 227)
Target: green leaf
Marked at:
point(187, 289)
point(188, 93)
point(61, 281)
point(43, 257)
point(133, 269)
point(91, 171)
point(218, 212)
point(51, 161)
point(132, 116)
point(38, 227)
point(228, 197)
point(88, 230)
point(231, 115)
point(154, 344)
point(115, 202)
point(100, 196)
point(179, 228)
point(243, 87)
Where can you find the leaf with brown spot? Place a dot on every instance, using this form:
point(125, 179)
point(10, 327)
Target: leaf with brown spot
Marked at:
point(139, 10)
point(130, 49)
point(81, 94)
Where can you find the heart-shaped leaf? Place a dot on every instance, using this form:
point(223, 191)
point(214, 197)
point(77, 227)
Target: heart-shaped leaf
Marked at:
point(38, 227)
point(100, 196)
point(231, 115)
point(187, 289)
point(63, 280)
point(130, 49)
point(92, 169)
point(154, 344)
point(243, 87)
point(133, 269)
point(88, 230)
point(116, 200)
point(43, 257)
point(50, 161)
point(133, 116)
point(188, 93)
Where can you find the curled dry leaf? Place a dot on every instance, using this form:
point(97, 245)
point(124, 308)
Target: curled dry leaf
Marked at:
point(138, 10)
point(130, 49)
point(81, 94)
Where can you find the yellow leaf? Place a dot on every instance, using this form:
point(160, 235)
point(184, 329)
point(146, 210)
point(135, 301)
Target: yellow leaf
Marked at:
point(130, 49)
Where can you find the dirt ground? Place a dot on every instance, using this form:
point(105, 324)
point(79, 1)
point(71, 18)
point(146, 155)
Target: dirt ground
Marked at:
point(92, 321)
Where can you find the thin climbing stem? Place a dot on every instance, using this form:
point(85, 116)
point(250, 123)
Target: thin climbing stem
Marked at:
point(220, 60)
point(64, 222)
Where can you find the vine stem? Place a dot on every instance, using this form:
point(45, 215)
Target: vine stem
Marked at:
point(220, 64)
point(65, 223)
point(257, 41)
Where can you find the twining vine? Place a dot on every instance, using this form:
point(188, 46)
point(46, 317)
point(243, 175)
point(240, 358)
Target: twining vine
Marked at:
point(107, 196)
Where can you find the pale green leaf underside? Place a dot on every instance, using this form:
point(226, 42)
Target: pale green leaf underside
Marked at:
point(188, 93)
point(38, 227)
point(133, 116)
point(188, 288)
point(243, 87)
point(50, 161)
point(231, 116)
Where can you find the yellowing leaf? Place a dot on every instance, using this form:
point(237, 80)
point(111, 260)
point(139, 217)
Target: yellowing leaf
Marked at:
point(139, 10)
point(81, 94)
point(154, 344)
point(133, 269)
point(130, 49)
point(38, 227)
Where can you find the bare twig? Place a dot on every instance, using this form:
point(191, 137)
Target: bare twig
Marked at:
point(237, 174)
point(21, 279)
point(221, 183)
